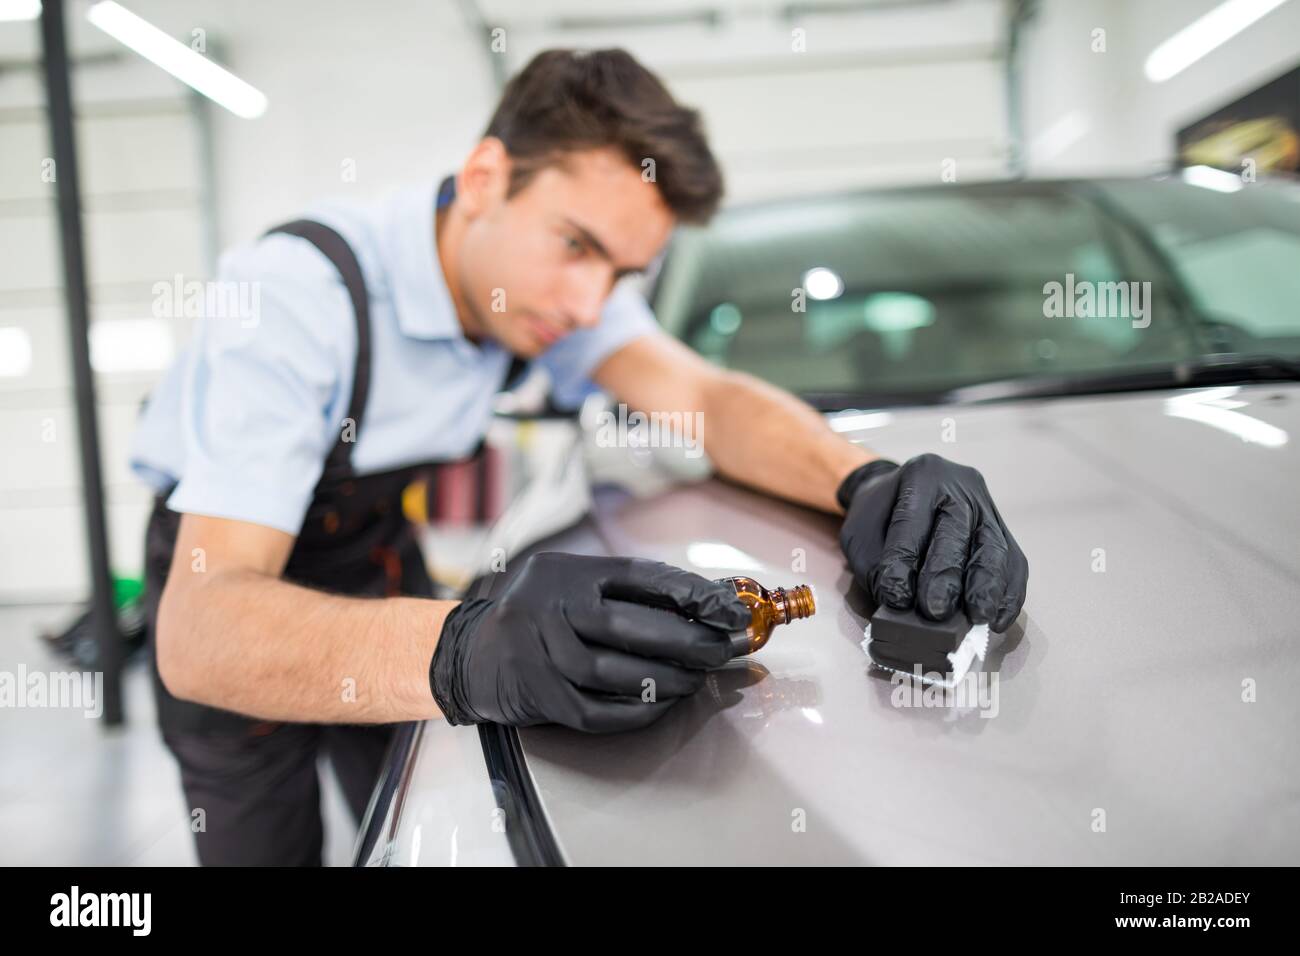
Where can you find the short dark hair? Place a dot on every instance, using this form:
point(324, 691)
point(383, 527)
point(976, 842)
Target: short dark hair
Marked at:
point(569, 100)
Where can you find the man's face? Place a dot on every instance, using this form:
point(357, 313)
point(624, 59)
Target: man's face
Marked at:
point(540, 265)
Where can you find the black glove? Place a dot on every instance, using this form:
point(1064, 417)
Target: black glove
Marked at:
point(929, 534)
point(573, 638)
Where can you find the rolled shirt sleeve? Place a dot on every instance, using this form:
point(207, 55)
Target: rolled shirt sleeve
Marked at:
point(265, 391)
point(572, 360)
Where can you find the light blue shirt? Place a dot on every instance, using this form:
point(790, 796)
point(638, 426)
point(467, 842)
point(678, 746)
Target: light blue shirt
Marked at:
point(244, 419)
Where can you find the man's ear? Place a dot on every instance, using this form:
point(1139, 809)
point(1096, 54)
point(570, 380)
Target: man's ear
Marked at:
point(484, 178)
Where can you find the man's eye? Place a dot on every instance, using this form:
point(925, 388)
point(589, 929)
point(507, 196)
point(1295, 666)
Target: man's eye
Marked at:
point(572, 245)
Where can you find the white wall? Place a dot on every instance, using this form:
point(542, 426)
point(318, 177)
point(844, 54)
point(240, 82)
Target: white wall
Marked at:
point(142, 205)
point(819, 102)
point(1125, 123)
point(1247, 61)
point(404, 88)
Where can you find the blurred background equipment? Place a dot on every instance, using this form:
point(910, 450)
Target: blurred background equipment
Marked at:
point(1262, 128)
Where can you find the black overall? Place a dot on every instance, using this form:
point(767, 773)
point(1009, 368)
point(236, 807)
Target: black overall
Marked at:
point(256, 781)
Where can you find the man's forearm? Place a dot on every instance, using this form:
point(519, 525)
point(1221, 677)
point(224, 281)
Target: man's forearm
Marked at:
point(763, 436)
point(258, 645)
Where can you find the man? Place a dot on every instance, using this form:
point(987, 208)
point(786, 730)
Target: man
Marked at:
point(289, 607)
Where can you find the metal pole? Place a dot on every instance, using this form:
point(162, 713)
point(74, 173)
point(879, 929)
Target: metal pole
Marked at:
point(1021, 12)
point(59, 106)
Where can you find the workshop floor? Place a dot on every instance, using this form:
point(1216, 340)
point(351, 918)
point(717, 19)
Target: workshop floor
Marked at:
point(75, 792)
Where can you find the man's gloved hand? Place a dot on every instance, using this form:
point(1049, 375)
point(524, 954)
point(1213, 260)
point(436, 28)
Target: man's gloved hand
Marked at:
point(573, 638)
point(928, 535)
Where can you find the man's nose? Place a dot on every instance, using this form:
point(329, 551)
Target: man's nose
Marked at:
point(585, 296)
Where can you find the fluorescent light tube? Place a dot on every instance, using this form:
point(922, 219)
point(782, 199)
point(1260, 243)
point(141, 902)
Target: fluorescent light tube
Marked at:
point(1201, 36)
point(193, 69)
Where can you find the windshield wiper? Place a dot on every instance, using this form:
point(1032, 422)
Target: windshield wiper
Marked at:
point(1225, 369)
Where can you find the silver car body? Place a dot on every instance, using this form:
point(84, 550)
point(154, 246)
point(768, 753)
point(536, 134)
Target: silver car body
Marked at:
point(1143, 708)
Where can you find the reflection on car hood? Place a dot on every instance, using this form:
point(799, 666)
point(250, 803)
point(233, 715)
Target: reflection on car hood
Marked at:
point(1146, 699)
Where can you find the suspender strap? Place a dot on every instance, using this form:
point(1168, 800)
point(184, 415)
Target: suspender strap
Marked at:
point(514, 373)
point(336, 249)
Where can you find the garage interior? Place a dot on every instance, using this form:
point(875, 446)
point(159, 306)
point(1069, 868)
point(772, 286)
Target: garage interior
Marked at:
point(800, 100)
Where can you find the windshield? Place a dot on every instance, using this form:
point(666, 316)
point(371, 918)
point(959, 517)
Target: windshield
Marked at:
point(919, 292)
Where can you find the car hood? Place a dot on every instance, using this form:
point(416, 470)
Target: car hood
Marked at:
point(1144, 705)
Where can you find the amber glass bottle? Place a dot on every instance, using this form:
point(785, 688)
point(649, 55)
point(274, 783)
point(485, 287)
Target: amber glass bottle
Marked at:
point(768, 607)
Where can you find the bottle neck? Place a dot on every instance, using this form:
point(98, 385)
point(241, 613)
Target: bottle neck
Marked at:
point(792, 604)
